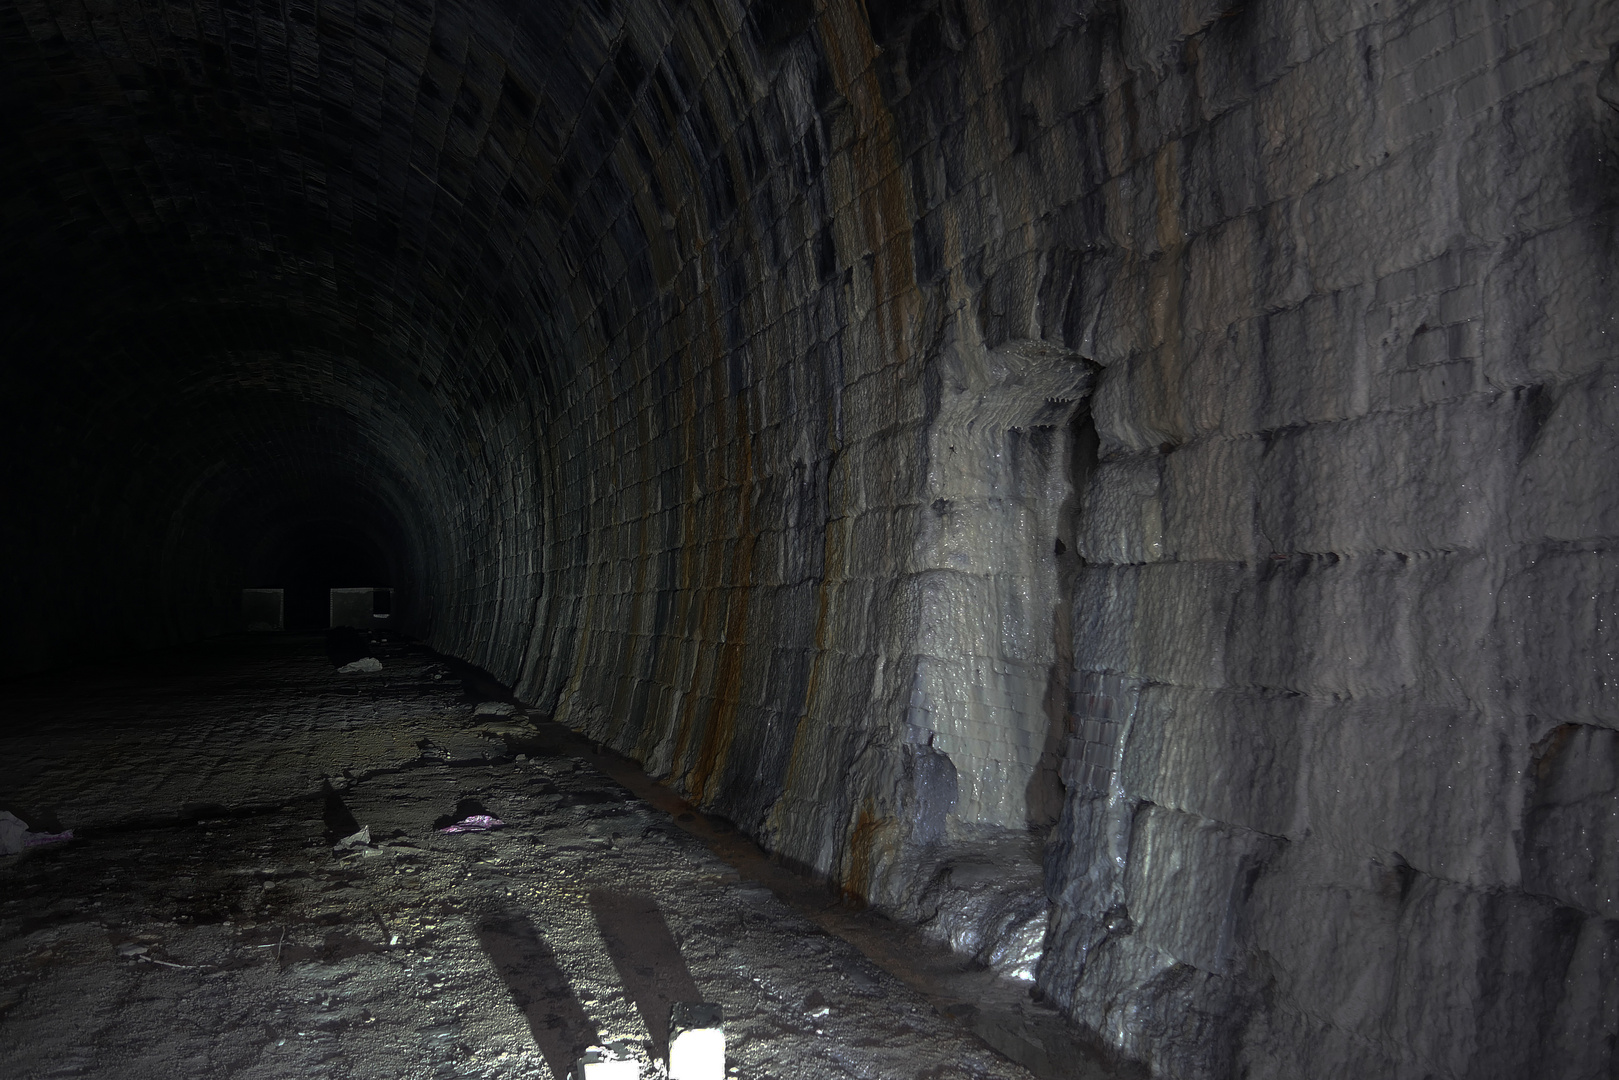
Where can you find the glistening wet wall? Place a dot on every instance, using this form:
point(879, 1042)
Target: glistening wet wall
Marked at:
point(1187, 427)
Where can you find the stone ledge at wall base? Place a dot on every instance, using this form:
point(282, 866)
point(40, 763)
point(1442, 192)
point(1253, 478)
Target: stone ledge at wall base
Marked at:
point(1046, 1042)
point(981, 893)
point(696, 1041)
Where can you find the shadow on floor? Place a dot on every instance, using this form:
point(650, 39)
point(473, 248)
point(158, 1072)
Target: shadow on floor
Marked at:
point(339, 819)
point(648, 961)
point(561, 1027)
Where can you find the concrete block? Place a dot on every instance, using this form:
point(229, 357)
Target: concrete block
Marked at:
point(354, 607)
point(611, 1062)
point(696, 1041)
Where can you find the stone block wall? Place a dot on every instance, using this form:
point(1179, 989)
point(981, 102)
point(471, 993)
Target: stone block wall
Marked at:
point(1337, 575)
point(1324, 435)
point(1183, 431)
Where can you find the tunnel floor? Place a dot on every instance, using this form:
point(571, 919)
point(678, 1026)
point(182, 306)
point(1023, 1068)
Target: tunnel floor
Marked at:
point(205, 922)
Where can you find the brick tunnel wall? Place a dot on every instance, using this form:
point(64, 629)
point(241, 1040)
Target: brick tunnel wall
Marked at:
point(1183, 427)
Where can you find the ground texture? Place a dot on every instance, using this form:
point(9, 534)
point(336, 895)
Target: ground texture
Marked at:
point(205, 922)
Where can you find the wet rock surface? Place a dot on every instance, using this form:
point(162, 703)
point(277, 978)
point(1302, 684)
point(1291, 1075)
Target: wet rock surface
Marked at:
point(259, 889)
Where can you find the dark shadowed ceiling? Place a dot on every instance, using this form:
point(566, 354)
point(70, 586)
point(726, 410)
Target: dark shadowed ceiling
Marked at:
point(263, 262)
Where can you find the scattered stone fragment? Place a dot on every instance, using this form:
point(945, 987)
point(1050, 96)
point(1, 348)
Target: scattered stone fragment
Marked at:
point(355, 840)
point(437, 955)
point(474, 823)
point(16, 836)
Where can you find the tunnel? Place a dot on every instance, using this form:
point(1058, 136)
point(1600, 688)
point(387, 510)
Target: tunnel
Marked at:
point(1122, 490)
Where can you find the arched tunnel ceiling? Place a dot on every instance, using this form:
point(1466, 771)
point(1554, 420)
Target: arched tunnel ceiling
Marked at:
point(1173, 430)
point(421, 215)
point(429, 180)
point(222, 221)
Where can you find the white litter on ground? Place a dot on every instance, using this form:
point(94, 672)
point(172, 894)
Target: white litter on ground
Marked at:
point(696, 1042)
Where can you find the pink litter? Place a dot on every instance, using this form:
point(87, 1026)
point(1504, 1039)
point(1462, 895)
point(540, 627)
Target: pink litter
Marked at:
point(36, 839)
point(475, 823)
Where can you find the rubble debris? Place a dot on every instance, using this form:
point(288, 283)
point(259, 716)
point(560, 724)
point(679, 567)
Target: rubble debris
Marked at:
point(613, 1061)
point(355, 840)
point(15, 835)
point(267, 951)
point(368, 665)
point(141, 953)
point(475, 823)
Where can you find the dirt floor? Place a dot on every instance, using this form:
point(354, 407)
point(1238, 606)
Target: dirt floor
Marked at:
point(207, 921)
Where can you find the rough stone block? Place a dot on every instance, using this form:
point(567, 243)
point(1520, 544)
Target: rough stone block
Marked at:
point(1167, 622)
point(1209, 491)
point(1571, 819)
point(1349, 488)
point(1549, 307)
point(1226, 756)
point(696, 1042)
point(1554, 609)
point(1188, 886)
point(1440, 786)
point(611, 1062)
point(1121, 517)
point(1569, 439)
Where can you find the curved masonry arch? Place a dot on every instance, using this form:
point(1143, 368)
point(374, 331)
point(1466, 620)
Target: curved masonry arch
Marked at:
point(1172, 438)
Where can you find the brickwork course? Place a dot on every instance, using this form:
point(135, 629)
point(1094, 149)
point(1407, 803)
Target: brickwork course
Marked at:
point(1183, 433)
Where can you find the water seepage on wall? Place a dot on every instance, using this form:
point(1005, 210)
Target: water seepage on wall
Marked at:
point(1173, 438)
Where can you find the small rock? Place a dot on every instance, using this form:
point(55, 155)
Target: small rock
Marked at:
point(494, 708)
point(12, 832)
point(370, 665)
point(359, 839)
point(613, 1061)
